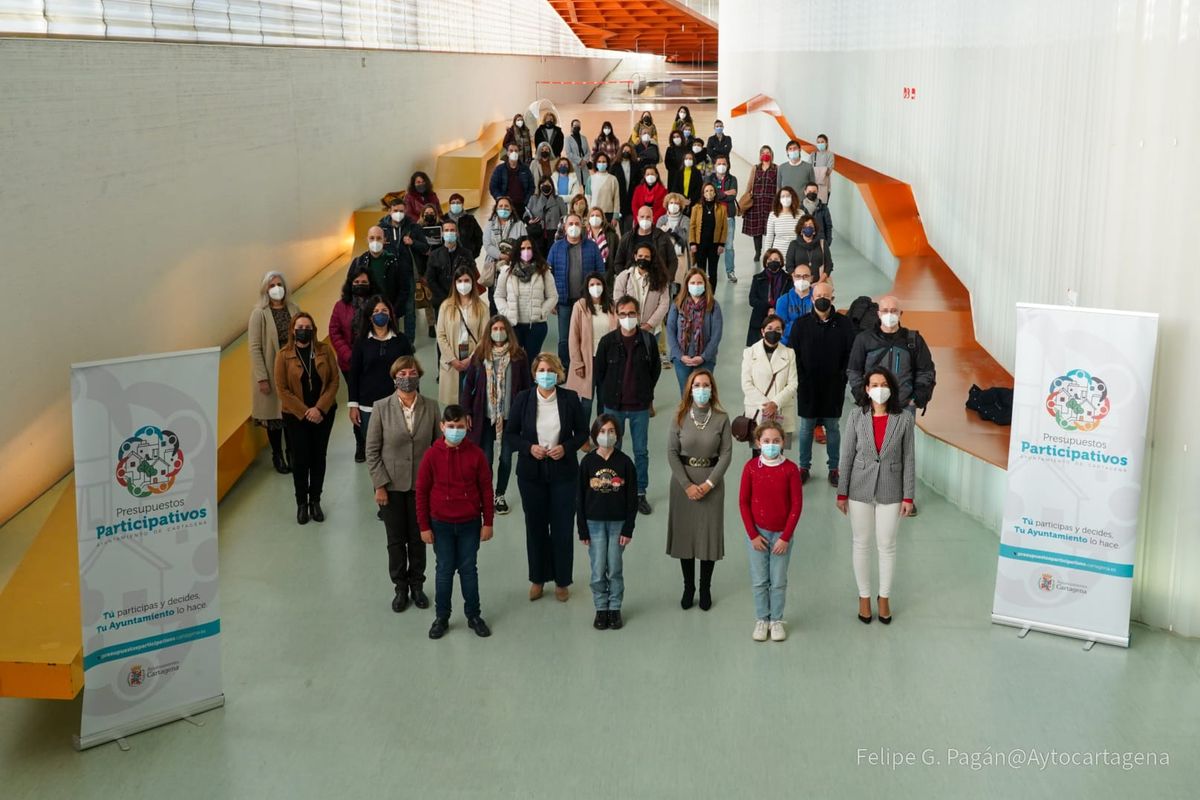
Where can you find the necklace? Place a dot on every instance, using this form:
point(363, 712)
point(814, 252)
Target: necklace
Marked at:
point(701, 425)
point(306, 363)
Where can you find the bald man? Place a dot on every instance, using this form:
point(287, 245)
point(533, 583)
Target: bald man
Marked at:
point(384, 268)
point(897, 349)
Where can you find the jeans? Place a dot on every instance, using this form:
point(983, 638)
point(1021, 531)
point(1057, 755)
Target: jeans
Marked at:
point(564, 330)
point(531, 335)
point(488, 443)
point(639, 424)
point(406, 551)
point(833, 440)
point(730, 227)
point(549, 528)
point(605, 551)
point(768, 577)
point(682, 371)
point(456, 545)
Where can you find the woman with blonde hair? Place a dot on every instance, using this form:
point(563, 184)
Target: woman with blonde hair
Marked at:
point(267, 332)
point(699, 449)
point(461, 325)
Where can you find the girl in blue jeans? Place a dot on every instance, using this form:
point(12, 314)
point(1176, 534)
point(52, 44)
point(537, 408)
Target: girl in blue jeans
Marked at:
point(607, 507)
point(771, 499)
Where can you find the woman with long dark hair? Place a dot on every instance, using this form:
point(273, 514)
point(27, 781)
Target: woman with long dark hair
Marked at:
point(526, 294)
point(378, 344)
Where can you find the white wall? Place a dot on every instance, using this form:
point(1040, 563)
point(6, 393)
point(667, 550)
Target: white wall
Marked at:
point(146, 188)
point(1052, 146)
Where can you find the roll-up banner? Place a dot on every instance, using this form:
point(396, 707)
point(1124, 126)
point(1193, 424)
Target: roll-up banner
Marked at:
point(145, 433)
point(1075, 466)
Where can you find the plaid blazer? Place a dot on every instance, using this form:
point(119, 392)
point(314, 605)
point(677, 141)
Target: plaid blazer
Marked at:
point(885, 477)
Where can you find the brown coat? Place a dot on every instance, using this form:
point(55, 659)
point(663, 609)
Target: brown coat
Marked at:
point(719, 231)
point(581, 347)
point(289, 370)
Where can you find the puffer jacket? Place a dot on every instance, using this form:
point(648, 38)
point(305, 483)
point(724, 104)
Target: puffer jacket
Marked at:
point(525, 302)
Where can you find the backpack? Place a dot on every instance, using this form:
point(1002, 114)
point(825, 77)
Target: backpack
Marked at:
point(863, 312)
point(994, 404)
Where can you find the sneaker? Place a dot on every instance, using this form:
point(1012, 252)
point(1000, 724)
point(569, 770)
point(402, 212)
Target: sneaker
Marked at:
point(479, 626)
point(644, 505)
point(731, 277)
point(501, 505)
point(834, 476)
point(804, 473)
point(760, 630)
point(778, 634)
point(438, 629)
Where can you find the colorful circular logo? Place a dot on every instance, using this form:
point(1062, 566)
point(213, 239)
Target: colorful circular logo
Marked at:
point(1078, 401)
point(148, 461)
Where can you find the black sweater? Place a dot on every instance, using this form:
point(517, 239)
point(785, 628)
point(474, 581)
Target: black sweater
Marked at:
point(607, 492)
point(370, 364)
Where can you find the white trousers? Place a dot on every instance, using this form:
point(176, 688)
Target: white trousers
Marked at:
point(867, 521)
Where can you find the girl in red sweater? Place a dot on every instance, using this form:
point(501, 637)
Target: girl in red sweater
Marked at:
point(770, 500)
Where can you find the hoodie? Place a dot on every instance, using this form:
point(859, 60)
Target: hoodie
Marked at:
point(454, 484)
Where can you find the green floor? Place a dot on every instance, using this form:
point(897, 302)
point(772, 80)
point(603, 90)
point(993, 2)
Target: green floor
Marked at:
point(330, 694)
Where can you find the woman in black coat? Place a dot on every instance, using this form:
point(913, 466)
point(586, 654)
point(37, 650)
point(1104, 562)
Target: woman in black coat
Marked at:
point(546, 427)
point(765, 289)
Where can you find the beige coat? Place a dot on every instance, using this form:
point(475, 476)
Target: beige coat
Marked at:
point(447, 329)
point(264, 347)
point(654, 309)
point(393, 450)
point(757, 371)
point(582, 346)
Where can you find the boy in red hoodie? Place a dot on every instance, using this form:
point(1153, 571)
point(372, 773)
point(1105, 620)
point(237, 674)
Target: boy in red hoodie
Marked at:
point(454, 494)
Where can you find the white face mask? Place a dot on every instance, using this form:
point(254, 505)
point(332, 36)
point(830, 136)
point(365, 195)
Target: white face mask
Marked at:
point(464, 287)
point(889, 320)
point(687, 162)
point(513, 156)
point(786, 201)
point(645, 138)
point(673, 208)
point(596, 222)
point(683, 115)
point(276, 293)
point(677, 141)
point(793, 155)
point(696, 148)
point(520, 123)
point(397, 216)
point(879, 394)
point(629, 323)
point(651, 180)
point(801, 285)
point(721, 169)
point(607, 440)
point(596, 291)
point(573, 231)
point(644, 224)
point(608, 131)
point(375, 247)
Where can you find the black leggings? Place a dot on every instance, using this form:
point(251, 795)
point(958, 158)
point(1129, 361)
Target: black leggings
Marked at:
point(707, 260)
point(308, 442)
point(688, 565)
point(757, 246)
point(275, 437)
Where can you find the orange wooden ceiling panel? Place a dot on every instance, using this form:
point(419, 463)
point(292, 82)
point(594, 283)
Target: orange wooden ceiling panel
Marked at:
point(646, 26)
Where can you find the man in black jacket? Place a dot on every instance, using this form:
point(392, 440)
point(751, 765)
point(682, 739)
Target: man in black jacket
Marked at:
point(822, 342)
point(383, 267)
point(813, 206)
point(627, 368)
point(659, 240)
point(470, 235)
point(443, 262)
point(404, 240)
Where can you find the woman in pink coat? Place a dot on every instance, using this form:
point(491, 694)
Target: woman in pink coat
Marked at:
point(593, 316)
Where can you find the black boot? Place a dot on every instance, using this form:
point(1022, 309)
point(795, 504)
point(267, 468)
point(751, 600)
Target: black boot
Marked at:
point(302, 513)
point(314, 511)
point(706, 571)
point(688, 566)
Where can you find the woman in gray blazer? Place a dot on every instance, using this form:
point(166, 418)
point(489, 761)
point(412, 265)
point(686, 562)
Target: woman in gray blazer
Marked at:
point(402, 427)
point(877, 478)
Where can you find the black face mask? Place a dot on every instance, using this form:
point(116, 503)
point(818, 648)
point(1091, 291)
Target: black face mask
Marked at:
point(772, 337)
point(574, 129)
point(774, 266)
point(547, 189)
point(304, 335)
point(430, 221)
point(642, 264)
point(360, 289)
point(626, 156)
point(811, 195)
point(822, 304)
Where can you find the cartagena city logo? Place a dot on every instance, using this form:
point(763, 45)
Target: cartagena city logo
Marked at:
point(149, 461)
point(137, 675)
point(1078, 401)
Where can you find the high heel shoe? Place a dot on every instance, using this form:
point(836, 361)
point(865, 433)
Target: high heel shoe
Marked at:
point(867, 619)
point(882, 619)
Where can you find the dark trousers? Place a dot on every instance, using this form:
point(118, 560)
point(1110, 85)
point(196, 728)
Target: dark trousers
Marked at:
point(707, 260)
point(504, 469)
point(456, 547)
point(360, 430)
point(406, 551)
point(308, 442)
point(549, 535)
point(531, 336)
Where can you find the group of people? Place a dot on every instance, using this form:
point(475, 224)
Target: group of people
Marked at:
point(628, 303)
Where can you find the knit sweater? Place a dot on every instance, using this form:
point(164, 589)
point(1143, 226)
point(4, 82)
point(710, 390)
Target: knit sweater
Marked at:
point(454, 484)
point(771, 498)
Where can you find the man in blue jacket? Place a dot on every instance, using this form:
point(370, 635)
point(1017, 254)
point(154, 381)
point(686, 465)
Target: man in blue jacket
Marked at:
point(571, 260)
point(513, 180)
point(793, 305)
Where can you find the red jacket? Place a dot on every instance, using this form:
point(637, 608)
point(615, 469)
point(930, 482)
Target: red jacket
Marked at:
point(454, 484)
point(771, 498)
point(644, 195)
point(415, 203)
point(341, 333)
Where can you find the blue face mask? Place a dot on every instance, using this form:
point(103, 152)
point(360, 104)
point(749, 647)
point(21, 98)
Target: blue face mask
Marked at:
point(454, 435)
point(563, 170)
point(602, 167)
point(701, 394)
point(719, 130)
point(503, 213)
point(546, 380)
point(772, 450)
point(456, 208)
point(821, 146)
point(450, 237)
point(696, 289)
point(381, 318)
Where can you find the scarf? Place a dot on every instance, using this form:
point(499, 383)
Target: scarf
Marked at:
point(359, 305)
point(810, 205)
point(497, 385)
point(601, 241)
point(691, 326)
point(522, 271)
point(778, 284)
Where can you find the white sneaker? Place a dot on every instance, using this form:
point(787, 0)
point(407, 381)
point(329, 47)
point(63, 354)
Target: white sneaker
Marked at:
point(778, 634)
point(760, 630)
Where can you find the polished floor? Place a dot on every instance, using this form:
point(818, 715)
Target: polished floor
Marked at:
point(330, 694)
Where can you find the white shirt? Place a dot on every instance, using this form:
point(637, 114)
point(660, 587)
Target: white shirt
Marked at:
point(548, 425)
point(600, 327)
point(410, 413)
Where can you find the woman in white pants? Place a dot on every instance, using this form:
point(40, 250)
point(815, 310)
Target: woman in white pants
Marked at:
point(877, 479)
